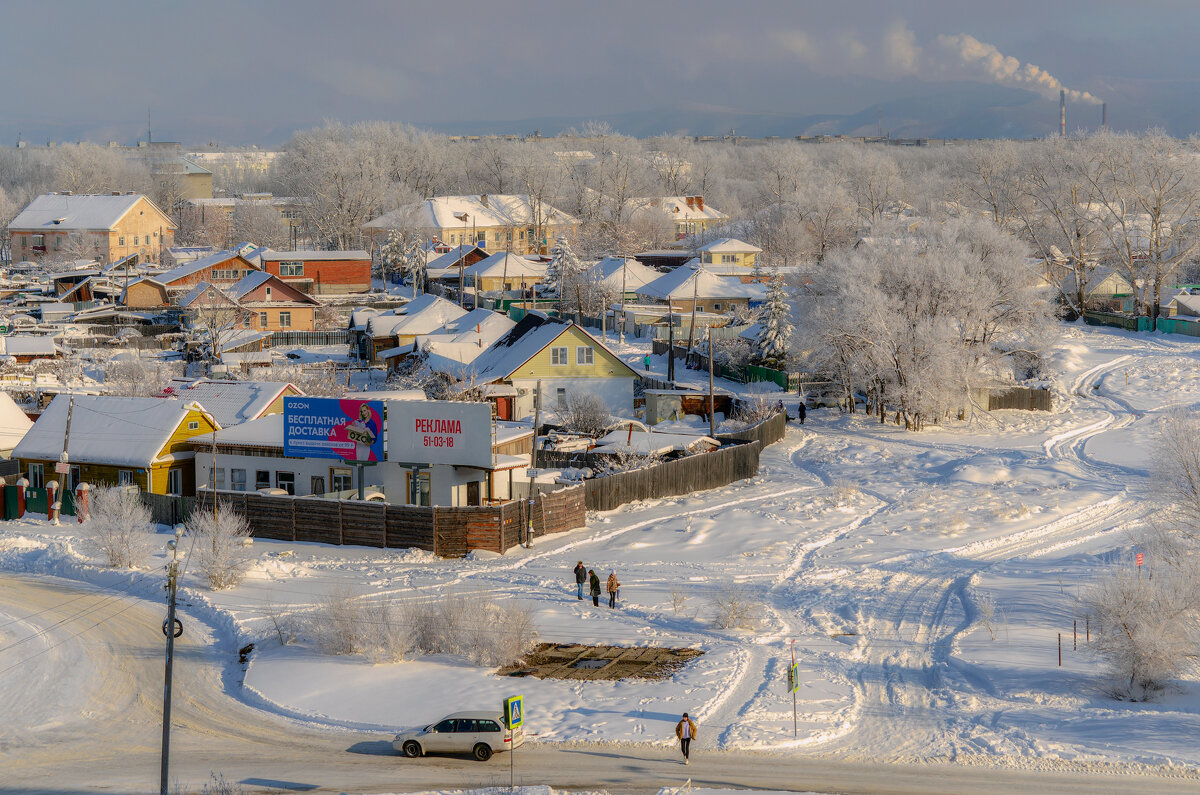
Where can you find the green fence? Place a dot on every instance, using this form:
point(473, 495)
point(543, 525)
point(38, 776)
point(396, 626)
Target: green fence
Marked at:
point(1179, 325)
point(1112, 319)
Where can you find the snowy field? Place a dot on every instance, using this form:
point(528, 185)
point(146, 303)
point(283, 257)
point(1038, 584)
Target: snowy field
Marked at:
point(877, 551)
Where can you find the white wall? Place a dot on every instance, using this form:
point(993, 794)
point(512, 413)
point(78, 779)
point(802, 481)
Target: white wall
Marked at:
point(617, 394)
point(304, 469)
point(448, 484)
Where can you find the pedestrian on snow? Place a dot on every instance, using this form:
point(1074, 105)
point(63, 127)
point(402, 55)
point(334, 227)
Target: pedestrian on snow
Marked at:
point(594, 585)
point(802, 411)
point(613, 586)
point(685, 730)
point(580, 579)
point(646, 361)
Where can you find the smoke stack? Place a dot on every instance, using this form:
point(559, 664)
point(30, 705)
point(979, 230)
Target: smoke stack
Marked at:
point(1104, 117)
point(1062, 113)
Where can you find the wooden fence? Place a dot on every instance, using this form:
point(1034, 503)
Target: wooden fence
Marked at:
point(338, 337)
point(445, 531)
point(767, 432)
point(1127, 322)
point(682, 476)
point(1017, 397)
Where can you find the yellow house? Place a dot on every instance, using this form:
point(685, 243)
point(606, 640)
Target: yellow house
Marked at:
point(730, 252)
point(116, 440)
point(504, 272)
point(59, 226)
point(559, 360)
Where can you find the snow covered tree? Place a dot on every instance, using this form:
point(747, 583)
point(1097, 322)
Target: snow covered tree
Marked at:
point(404, 252)
point(564, 266)
point(774, 338)
point(220, 553)
point(119, 524)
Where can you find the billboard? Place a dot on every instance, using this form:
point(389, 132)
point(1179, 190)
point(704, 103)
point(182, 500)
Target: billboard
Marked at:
point(351, 430)
point(440, 432)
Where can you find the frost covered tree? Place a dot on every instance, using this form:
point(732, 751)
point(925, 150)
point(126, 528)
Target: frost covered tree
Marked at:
point(260, 224)
point(564, 270)
point(586, 414)
point(119, 524)
point(220, 553)
point(404, 252)
point(774, 338)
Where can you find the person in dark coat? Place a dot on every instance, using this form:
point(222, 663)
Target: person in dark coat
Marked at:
point(594, 585)
point(580, 579)
point(802, 412)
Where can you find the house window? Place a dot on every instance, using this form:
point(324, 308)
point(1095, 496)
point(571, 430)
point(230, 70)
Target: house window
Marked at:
point(174, 481)
point(558, 357)
point(219, 477)
point(262, 479)
point(341, 479)
point(193, 425)
point(421, 495)
point(285, 319)
point(268, 292)
point(291, 269)
point(135, 240)
point(286, 481)
point(237, 479)
point(37, 476)
point(729, 259)
point(717, 307)
point(562, 399)
point(585, 355)
point(125, 477)
point(317, 485)
point(262, 319)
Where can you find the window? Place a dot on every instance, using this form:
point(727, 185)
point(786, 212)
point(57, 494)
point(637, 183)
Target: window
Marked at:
point(285, 319)
point(218, 477)
point(37, 476)
point(135, 240)
point(237, 479)
point(584, 354)
point(558, 356)
point(286, 481)
point(74, 478)
point(262, 479)
point(562, 399)
point(262, 319)
point(291, 269)
point(446, 726)
point(317, 485)
point(421, 496)
point(717, 307)
point(487, 726)
point(174, 481)
point(729, 259)
point(341, 479)
point(268, 292)
point(193, 425)
point(125, 477)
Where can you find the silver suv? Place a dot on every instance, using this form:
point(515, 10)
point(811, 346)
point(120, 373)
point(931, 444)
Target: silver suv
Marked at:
point(480, 734)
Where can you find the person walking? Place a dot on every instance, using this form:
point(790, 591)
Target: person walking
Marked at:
point(613, 586)
point(594, 586)
point(646, 362)
point(802, 412)
point(685, 730)
point(580, 579)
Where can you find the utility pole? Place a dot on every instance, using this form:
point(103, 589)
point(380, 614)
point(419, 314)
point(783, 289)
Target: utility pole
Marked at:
point(461, 265)
point(670, 341)
point(712, 412)
point(624, 273)
point(169, 631)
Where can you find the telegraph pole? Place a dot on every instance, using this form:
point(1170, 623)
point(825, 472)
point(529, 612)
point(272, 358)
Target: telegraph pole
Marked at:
point(712, 411)
point(169, 631)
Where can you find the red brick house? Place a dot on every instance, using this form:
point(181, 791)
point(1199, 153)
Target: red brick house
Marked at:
point(321, 272)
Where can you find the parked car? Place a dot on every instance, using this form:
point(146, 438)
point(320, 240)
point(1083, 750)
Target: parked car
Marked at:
point(480, 734)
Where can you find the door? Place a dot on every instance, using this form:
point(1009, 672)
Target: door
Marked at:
point(504, 408)
point(174, 481)
point(473, 493)
point(442, 737)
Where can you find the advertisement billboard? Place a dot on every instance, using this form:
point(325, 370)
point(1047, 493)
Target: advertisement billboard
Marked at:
point(351, 430)
point(440, 432)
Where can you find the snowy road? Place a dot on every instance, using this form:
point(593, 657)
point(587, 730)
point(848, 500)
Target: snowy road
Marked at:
point(112, 743)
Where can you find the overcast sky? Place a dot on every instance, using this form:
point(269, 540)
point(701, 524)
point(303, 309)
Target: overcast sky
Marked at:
point(240, 72)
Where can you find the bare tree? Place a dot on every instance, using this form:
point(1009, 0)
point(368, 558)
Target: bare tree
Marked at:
point(119, 524)
point(260, 224)
point(585, 413)
point(220, 549)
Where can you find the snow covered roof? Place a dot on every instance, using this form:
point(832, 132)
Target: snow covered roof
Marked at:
point(13, 422)
point(387, 394)
point(1187, 301)
point(486, 210)
point(27, 345)
point(608, 273)
point(643, 443)
point(677, 207)
point(531, 334)
point(83, 211)
point(729, 245)
point(678, 285)
point(230, 402)
point(1097, 278)
point(421, 316)
point(505, 264)
point(450, 259)
point(193, 295)
point(195, 266)
point(249, 282)
point(105, 429)
point(265, 431)
point(270, 255)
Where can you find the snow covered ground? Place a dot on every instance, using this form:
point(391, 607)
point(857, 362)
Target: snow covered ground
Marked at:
point(874, 549)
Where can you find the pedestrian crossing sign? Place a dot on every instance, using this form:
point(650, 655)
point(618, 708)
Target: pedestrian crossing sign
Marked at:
point(794, 677)
point(514, 711)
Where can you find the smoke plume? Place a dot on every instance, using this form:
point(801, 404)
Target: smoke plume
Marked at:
point(986, 62)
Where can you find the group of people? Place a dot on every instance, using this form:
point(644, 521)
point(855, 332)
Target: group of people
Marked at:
point(585, 575)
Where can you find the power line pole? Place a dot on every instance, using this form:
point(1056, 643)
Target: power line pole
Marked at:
point(712, 412)
point(169, 631)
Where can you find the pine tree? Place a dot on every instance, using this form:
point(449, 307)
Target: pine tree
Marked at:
point(564, 266)
point(776, 333)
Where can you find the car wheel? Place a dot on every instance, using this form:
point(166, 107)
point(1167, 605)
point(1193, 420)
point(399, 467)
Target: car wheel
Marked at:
point(412, 749)
point(483, 752)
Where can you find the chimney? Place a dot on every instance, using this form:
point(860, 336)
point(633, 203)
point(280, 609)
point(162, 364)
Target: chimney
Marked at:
point(691, 202)
point(1062, 113)
point(700, 203)
point(1104, 117)
point(483, 199)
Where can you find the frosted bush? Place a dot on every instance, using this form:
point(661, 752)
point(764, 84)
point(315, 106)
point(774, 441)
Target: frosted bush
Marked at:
point(119, 525)
point(220, 547)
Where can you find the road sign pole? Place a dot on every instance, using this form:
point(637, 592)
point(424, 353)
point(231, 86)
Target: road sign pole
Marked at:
point(795, 685)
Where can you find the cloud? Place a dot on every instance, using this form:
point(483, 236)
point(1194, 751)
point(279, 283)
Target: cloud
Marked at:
point(901, 50)
point(988, 63)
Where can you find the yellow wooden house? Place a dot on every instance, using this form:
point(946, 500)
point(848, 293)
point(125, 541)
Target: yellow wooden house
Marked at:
point(115, 440)
point(556, 359)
